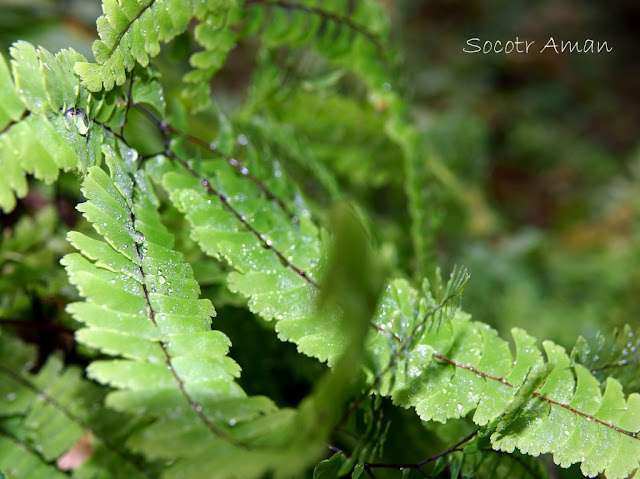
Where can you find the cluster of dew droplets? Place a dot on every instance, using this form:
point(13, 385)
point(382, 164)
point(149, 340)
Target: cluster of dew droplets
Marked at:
point(630, 347)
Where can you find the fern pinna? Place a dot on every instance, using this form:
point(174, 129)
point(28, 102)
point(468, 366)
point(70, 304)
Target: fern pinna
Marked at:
point(161, 396)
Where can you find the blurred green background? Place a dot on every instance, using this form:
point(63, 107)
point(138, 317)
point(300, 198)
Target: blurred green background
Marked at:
point(550, 143)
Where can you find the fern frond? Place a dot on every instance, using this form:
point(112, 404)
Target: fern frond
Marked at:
point(218, 34)
point(44, 415)
point(443, 368)
point(417, 178)
point(352, 123)
point(283, 145)
point(43, 120)
point(267, 250)
point(562, 414)
point(11, 106)
point(172, 381)
point(486, 462)
point(142, 306)
point(352, 38)
point(614, 355)
point(387, 113)
point(130, 31)
point(29, 254)
point(295, 22)
point(143, 302)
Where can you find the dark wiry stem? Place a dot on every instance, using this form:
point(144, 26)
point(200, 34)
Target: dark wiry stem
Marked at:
point(225, 201)
point(121, 34)
point(197, 408)
point(243, 170)
point(454, 448)
point(589, 417)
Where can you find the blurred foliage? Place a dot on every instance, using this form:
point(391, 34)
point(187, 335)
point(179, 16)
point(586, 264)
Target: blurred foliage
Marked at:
point(550, 142)
point(534, 161)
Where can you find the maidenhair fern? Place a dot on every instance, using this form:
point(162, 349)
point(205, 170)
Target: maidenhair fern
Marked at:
point(161, 395)
point(44, 415)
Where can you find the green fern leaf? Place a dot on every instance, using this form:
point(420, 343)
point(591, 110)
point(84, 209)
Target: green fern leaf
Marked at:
point(330, 468)
point(147, 295)
point(142, 306)
point(549, 418)
point(131, 31)
point(45, 414)
point(350, 39)
point(443, 368)
point(614, 355)
point(11, 107)
point(18, 459)
point(45, 137)
point(28, 78)
point(275, 290)
point(354, 41)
